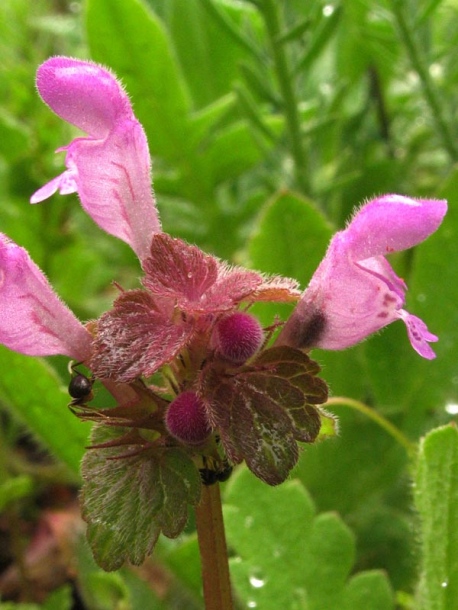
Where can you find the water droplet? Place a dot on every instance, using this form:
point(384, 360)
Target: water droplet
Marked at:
point(252, 604)
point(444, 584)
point(328, 9)
point(451, 408)
point(256, 582)
point(421, 298)
point(300, 597)
point(436, 70)
point(190, 274)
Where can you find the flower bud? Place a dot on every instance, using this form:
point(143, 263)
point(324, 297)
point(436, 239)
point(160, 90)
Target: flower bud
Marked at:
point(186, 419)
point(238, 336)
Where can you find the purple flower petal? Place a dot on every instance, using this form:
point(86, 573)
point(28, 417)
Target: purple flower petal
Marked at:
point(419, 335)
point(110, 169)
point(355, 292)
point(33, 320)
point(392, 223)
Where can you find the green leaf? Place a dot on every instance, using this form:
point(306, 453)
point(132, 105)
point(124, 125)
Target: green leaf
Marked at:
point(291, 237)
point(128, 37)
point(322, 35)
point(14, 489)
point(130, 496)
point(141, 593)
point(436, 499)
point(289, 557)
point(235, 149)
point(120, 590)
point(32, 391)
point(14, 137)
point(369, 590)
point(210, 42)
point(205, 120)
point(61, 599)
point(362, 442)
point(184, 560)
point(433, 296)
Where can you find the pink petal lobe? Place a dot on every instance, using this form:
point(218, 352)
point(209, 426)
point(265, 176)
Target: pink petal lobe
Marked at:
point(419, 335)
point(65, 184)
point(110, 169)
point(392, 223)
point(33, 320)
point(83, 94)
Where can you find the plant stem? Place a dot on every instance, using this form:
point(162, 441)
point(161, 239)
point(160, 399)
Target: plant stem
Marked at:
point(270, 11)
point(213, 550)
point(377, 418)
point(421, 68)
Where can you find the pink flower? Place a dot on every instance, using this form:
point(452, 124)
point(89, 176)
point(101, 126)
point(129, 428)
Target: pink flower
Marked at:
point(110, 170)
point(355, 292)
point(33, 320)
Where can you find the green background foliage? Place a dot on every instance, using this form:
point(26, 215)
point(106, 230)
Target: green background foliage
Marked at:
point(268, 122)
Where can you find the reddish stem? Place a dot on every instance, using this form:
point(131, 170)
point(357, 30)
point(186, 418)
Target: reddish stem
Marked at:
point(213, 550)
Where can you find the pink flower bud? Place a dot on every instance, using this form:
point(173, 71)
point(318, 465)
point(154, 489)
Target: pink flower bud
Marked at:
point(238, 336)
point(186, 419)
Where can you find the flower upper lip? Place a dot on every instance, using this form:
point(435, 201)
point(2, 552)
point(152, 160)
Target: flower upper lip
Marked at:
point(111, 168)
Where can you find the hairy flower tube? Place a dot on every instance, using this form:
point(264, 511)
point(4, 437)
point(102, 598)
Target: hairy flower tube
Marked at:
point(355, 292)
point(198, 388)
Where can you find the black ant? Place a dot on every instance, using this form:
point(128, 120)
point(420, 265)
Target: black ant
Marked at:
point(80, 386)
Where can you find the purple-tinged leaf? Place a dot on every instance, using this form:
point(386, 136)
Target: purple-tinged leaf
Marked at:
point(135, 338)
point(200, 283)
point(265, 408)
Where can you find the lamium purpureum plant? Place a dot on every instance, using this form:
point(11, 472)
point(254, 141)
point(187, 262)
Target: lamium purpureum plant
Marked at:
point(200, 386)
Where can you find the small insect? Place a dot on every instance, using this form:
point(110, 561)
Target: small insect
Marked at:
point(221, 473)
point(80, 386)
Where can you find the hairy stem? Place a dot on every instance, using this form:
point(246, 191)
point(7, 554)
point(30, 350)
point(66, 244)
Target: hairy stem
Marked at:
point(377, 418)
point(270, 10)
point(213, 550)
point(421, 68)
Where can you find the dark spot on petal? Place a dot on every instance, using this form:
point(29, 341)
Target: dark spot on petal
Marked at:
point(388, 298)
point(309, 332)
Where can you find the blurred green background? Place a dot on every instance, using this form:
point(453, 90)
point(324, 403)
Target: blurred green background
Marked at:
point(268, 122)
